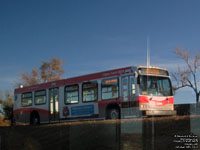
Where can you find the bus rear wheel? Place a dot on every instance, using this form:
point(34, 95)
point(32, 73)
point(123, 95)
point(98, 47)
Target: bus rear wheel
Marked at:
point(113, 114)
point(35, 119)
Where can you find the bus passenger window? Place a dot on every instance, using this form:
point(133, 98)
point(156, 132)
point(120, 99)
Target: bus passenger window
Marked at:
point(40, 97)
point(90, 91)
point(109, 89)
point(26, 99)
point(71, 94)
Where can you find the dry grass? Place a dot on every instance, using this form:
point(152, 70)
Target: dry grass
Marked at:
point(119, 121)
point(4, 123)
point(96, 122)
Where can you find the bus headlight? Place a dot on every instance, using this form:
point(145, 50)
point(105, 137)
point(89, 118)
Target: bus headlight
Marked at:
point(143, 106)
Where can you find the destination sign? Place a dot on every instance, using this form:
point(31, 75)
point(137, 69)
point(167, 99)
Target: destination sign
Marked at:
point(155, 71)
point(111, 81)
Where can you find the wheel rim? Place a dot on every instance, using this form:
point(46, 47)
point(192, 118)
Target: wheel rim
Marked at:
point(35, 120)
point(114, 115)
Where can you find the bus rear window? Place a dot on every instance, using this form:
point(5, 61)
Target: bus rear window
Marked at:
point(26, 99)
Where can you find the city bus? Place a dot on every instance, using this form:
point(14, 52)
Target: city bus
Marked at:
point(133, 91)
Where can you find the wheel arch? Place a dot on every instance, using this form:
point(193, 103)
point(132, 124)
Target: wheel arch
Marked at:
point(112, 106)
point(33, 114)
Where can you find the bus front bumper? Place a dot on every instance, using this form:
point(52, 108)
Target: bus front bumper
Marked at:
point(160, 112)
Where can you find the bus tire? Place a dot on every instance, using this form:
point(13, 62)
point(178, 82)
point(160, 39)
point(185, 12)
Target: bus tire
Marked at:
point(35, 119)
point(113, 114)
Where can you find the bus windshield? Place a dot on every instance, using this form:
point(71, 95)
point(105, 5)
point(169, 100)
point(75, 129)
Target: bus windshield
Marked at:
point(155, 86)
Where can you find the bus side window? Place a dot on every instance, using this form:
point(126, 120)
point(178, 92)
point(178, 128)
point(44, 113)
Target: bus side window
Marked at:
point(90, 91)
point(40, 97)
point(26, 99)
point(71, 94)
point(125, 88)
point(15, 97)
point(132, 85)
point(109, 89)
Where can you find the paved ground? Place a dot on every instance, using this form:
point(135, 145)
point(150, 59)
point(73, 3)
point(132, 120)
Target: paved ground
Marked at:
point(127, 134)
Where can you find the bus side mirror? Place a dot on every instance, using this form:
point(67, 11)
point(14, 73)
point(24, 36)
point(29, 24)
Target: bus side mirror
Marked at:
point(173, 90)
point(138, 80)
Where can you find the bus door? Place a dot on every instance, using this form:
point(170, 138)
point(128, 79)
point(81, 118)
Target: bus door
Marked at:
point(125, 90)
point(53, 104)
point(128, 95)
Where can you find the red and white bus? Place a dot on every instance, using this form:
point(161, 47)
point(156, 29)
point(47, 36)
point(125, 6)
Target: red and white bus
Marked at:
point(119, 93)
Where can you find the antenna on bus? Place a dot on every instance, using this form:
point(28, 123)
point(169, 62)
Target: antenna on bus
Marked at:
point(148, 53)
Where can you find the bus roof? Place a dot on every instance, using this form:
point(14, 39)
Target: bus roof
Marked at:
point(75, 80)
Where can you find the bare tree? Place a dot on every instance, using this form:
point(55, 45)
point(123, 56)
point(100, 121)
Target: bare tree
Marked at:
point(7, 104)
point(1, 96)
point(187, 77)
point(30, 78)
point(48, 71)
point(51, 71)
point(1, 100)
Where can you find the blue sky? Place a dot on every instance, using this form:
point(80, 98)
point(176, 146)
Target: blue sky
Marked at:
point(95, 35)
